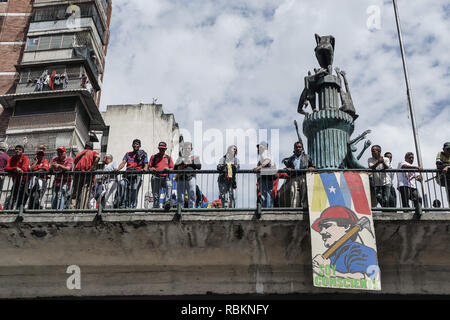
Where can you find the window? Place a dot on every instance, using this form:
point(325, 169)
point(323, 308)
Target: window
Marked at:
point(56, 42)
point(50, 42)
point(32, 44)
point(67, 41)
point(44, 43)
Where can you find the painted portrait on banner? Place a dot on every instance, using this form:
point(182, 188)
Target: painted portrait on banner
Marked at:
point(344, 253)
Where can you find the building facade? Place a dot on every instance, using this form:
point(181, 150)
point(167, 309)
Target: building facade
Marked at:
point(55, 95)
point(15, 18)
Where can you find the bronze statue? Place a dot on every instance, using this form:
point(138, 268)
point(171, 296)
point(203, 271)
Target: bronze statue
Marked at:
point(325, 52)
point(346, 98)
point(308, 94)
point(329, 128)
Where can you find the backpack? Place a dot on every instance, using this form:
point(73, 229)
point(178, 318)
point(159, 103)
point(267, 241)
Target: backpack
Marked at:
point(141, 155)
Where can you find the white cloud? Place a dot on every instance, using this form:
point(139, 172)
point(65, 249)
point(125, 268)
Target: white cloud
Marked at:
point(240, 64)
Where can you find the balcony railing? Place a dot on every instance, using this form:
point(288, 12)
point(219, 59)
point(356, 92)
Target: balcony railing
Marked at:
point(103, 192)
point(85, 53)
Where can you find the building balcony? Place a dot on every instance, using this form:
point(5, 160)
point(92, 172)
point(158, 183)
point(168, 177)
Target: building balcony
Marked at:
point(102, 5)
point(53, 26)
point(42, 48)
point(34, 63)
point(40, 103)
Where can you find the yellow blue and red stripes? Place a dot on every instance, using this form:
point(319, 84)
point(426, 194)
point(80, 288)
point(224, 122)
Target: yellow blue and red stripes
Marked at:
point(349, 190)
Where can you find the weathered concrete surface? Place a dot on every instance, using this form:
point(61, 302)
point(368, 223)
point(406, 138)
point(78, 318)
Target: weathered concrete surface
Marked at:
point(232, 253)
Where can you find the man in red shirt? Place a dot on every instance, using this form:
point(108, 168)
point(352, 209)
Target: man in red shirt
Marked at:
point(3, 161)
point(38, 183)
point(160, 162)
point(16, 165)
point(86, 160)
point(60, 164)
point(130, 184)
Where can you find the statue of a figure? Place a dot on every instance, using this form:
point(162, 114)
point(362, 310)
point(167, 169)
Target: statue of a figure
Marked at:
point(346, 98)
point(308, 94)
point(351, 160)
point(325, 52)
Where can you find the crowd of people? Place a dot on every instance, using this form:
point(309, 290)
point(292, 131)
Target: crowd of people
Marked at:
point(84, 190)
point(382, 183)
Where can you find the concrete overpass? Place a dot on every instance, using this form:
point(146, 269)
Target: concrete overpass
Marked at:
point(153, 254)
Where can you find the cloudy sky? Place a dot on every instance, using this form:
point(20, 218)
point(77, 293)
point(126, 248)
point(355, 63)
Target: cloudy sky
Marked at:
point(240, 64)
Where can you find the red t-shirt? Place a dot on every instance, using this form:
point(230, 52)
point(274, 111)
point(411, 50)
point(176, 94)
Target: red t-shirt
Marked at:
point(160, 162)
point(65, 178)
point(43, 165)
point(15, 162)
point(84, 160)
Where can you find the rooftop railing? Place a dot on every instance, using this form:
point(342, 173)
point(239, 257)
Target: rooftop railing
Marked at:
point(177, 191)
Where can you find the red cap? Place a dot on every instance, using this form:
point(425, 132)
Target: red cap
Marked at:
point(336, 212)
point(62, 149)
point(162, 145)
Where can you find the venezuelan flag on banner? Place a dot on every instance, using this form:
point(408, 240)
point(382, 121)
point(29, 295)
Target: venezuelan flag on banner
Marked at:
point(339, 189)
point(343, 244)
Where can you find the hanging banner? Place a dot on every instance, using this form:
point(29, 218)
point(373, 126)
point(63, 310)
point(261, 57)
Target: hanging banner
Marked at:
point(344, 252)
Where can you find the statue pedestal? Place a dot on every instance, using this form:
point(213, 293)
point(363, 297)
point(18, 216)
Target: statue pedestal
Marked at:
point(328, 133)
point(328, 88)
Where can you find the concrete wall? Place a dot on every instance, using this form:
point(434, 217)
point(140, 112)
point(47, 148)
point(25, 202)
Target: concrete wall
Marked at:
point(44, 55)
point(143, 121)
point(150, 254)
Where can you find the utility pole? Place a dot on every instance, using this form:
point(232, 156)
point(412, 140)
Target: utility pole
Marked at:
point(410, 103)
point(408, 88)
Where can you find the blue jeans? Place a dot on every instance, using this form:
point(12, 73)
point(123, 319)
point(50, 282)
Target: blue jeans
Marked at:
point(59, 196)
point(189, 187)
point(383, 194)
point(266, 186)
point(128, 190)
point(157, 184)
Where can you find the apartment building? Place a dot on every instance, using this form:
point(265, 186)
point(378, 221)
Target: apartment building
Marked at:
point(55, 94)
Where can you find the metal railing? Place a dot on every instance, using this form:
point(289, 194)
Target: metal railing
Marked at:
point(102, 192)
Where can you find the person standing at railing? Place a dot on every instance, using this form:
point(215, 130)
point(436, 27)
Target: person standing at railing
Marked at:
point(38, 182)
point(160, 162)
point(297, 181)
point(267, 176)
point(16, 165)
point(61, 185)
point(44, 148)
point(443, 163)
point(407, 184)
point(228, 165)
point(392, 201)
point(84, 161)
point(381, 180)
point(3, 161)
point(110, 184)
point(130, 184)
point(186, 182)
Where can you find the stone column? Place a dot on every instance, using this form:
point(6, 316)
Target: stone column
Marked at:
point(328, 133)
